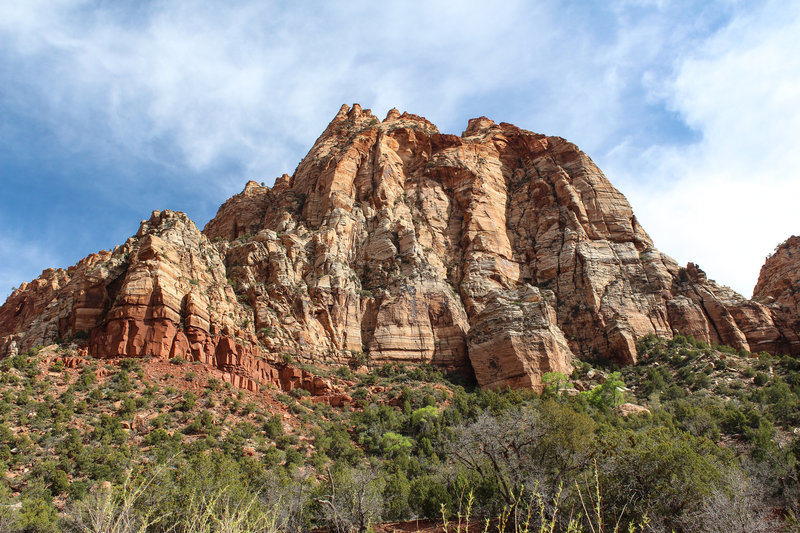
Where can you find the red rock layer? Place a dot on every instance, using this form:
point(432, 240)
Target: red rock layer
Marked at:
point(162, 294)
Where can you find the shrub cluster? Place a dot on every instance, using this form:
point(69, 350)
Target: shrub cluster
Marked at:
point(118, 453)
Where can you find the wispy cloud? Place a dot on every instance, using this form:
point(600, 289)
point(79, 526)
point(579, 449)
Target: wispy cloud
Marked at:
point(252, 82)
point(28, 257)
point(661, 95)
point(248, 82)
point(728, 199)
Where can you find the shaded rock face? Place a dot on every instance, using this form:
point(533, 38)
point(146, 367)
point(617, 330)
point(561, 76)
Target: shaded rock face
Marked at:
point(500, 252)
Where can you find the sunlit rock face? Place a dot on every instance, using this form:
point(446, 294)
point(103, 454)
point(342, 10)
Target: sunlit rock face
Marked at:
point(778, 288)
point(499, 253)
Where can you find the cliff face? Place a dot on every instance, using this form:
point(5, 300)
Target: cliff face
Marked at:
point(163, 293)
point(501, 252)
point(779, 287)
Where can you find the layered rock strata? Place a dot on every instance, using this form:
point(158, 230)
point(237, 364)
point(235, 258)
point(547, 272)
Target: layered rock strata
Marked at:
point(778, 287)
point(164, 294)
point(507, 340)
point(500, 252)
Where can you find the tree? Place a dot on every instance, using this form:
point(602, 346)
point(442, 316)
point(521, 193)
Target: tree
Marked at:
point(664, 473)
point(354, 498)
point(554, 384)
point(526, 447)
point(609, 393)
point(737, 507)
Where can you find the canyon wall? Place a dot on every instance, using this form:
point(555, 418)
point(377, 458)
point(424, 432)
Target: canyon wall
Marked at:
point(500, 253)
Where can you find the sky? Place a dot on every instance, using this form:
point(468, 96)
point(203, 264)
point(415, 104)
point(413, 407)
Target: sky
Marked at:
point(111, 109)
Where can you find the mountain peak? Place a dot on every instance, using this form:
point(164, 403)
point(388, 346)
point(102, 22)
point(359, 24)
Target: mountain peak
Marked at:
point(503, 254)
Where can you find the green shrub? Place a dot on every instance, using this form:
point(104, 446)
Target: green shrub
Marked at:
point(38, 515)
point(293, 457)
point(608, 394)
point(189, 401)
point(273, 427)
point(702, 381)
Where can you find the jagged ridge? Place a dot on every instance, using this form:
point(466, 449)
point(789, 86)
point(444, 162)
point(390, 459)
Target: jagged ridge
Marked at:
point(500, 252)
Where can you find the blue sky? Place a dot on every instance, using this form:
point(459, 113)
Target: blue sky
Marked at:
point(112, 109)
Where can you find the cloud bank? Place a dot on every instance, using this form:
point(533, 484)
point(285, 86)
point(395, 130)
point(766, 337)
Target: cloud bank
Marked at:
point(728, 199)
point(688, 109)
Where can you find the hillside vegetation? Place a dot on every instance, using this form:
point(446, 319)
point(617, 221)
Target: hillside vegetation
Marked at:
point(694, 438)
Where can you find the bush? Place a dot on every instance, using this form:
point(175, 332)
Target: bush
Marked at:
point(38, 516)
point(674, 392)
point(293, 457)
point(273, 427)
point(393, 444)
point(609, 394)
point(662, 473)
point(189, 401)
point(108, 429)
point(702, 381)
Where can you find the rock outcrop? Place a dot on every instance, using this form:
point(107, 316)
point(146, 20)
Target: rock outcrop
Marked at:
point(500, 252)
point(515, 340)
point(778, 287)
point(164, 294)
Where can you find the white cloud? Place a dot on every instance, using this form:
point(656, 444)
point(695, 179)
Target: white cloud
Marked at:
point(727, 200)
point(225, 92)
point(246, 81)
point(252, 83)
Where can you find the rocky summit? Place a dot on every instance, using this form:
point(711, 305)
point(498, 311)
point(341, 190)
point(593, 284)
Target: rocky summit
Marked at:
point(500, 253)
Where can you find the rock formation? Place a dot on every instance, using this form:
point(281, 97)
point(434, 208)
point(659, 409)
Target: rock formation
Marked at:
point(500, 252)
point(779, 288)
point(507, 340)
point(162, 294)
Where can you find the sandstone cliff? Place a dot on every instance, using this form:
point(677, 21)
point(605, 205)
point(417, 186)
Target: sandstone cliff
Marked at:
point(779, 288)
point(162, 294)
point(500, 252)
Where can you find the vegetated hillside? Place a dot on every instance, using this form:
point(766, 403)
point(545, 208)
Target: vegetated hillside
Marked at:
point(500, 253)
point(692, 438)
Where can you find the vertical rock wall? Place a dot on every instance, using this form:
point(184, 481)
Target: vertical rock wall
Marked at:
point(500, 252)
